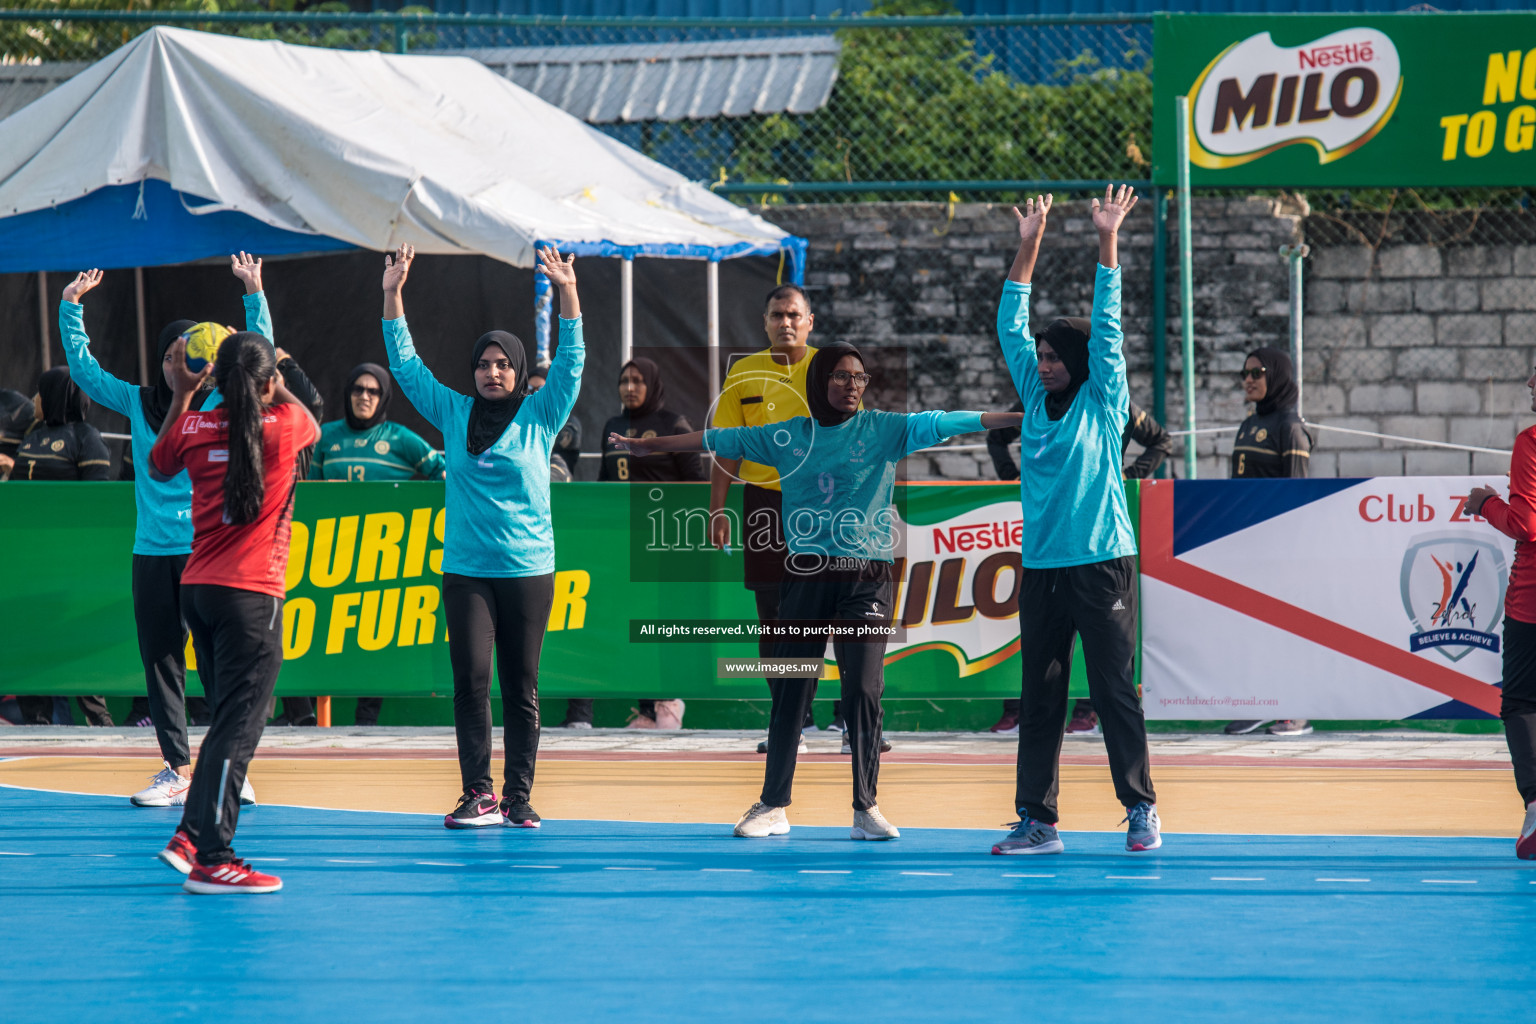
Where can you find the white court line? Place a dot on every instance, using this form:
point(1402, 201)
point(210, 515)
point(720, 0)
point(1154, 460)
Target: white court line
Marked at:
point(1341, 879)
point(441, 864)
point(1448, 881)
point(537, 867)
point(813, 871)
point(1007, 875)
point(1236, 878)
point(265, 860)
point(627, 869)
point(1135, 878)
point(931, 874)
point(748, 871)
point(8, 853)
point(340, 860)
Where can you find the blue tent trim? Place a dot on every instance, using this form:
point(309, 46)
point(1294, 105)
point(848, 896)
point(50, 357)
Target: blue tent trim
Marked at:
point(101, 230)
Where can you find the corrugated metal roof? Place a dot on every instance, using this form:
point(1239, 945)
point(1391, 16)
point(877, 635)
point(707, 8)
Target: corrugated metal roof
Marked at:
point(20, 84)
point(673, 81)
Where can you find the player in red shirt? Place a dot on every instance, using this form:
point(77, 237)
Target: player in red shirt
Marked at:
point(242, 460)
point(1516, 518)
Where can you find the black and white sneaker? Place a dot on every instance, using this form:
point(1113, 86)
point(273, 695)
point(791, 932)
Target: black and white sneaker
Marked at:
point(518, 814)
point(475, 810)
point(885, 745)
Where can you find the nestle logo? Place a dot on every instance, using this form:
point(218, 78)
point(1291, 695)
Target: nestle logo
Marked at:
point(1336, 55)
point(979, 536)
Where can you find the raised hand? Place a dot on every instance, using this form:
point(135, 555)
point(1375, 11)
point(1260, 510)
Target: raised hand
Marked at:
point(561, 271)
point(1117, 204)
point(397, 267)
point(1032, 220)
point(248, 269)
point(632, 445)
point(83, 282)
point(182, 380)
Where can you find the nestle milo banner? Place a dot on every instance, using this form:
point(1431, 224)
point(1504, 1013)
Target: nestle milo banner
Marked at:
point(364, 613)
point(1348, 99)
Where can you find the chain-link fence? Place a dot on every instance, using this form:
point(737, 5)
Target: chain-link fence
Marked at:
point(910, 97)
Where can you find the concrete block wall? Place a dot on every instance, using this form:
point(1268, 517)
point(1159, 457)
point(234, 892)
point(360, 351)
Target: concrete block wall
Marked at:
point(1422, 341)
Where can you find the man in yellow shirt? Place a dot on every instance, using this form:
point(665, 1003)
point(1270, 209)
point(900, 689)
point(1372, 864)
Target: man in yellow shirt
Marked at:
point(762, 388)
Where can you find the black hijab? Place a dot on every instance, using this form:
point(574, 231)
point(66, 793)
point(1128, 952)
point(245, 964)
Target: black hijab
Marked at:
point(655, 391)
point(380, 411)
point(1068, 336)
point(488, 419)
point(156, 397)
point(1279, 381)
point(63, 402)
point(819, 375)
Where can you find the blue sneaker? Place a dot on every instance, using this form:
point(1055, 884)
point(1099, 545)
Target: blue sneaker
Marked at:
point(1029, 836)
point(1145, 831)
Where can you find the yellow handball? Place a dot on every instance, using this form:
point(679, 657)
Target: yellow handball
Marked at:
point(203, 343)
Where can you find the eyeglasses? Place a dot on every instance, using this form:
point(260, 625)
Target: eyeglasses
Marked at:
point(1251, 374)
point(859, 380)
point(363, 391)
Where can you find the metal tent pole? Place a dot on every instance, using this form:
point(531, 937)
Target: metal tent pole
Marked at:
point(42, 319)
point(1160, 305)
point(713, 277)
point(138, 309)
point(627, 319)
point(1187, 290)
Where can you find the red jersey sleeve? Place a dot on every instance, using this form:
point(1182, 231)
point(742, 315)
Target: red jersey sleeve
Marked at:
point(299, 427)
point(1517, 517)
point(166, 454)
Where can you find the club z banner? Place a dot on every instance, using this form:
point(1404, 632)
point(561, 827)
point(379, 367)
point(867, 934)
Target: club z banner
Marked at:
point(1330, 599)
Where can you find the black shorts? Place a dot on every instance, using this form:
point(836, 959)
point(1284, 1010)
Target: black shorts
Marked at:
point(763, 537)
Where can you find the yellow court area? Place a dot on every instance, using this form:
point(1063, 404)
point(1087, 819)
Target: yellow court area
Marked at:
point(1259, 799)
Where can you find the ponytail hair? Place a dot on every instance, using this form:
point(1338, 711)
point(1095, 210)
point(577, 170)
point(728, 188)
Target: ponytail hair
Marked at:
point(246, 361)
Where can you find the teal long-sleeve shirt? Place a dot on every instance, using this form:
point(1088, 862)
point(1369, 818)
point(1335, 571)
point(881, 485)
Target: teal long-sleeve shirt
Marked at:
point(838, 481)
point(164, 525)
point(497, 522)
point(1069, 469)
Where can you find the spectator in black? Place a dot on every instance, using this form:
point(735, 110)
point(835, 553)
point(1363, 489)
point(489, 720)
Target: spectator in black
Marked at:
point(642, 396)
point(16, 417)
point(1271, 443)
point(1156, 446)
point(61, 446)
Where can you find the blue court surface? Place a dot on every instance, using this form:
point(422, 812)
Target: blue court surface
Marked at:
point(390, 917)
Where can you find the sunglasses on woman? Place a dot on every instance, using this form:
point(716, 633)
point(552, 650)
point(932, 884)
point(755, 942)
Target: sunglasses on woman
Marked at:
point(1251, 374)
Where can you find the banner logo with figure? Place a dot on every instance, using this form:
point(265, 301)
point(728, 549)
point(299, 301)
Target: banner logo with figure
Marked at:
point(1453, 592)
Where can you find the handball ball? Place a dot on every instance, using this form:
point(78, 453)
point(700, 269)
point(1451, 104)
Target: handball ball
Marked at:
point(203, 343)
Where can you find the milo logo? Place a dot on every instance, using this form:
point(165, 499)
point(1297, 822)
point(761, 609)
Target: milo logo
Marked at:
point(1333, 94)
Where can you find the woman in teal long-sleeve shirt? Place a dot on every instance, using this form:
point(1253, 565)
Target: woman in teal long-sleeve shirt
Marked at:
point(1079, 552)
point(162, 537)
point(498, 540)
point(837, 469)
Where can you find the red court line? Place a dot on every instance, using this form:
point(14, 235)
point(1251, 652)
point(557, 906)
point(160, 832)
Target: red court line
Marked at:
point(895, 757)
point(1158, 561)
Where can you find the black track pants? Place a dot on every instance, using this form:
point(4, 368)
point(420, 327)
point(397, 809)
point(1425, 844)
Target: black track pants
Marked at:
point(509, 616)
point(1098, 602)
point(844, 596)
point(1519, 703)
point(238, 637)
point(162, 649)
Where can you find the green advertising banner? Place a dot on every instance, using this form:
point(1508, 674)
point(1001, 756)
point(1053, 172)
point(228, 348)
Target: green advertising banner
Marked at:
point(1337, 100)
point(363, 615)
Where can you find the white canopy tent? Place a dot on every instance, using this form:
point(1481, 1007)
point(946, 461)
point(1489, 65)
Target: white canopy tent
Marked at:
point(332, 148)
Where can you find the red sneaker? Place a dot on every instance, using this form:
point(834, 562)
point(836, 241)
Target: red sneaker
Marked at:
point(179, 853)
point(1083, 719)
point(1525, 846)
point(232, 876)
point(1008, 724)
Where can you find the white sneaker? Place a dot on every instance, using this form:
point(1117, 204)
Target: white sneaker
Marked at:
point(762, 821)
point(247, 794)
point(669, 714)
point(166, 789)
point(762, 748)
point(871, 824)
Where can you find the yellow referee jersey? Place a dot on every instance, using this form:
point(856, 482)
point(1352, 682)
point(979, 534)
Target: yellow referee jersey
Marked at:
point(760, 389)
